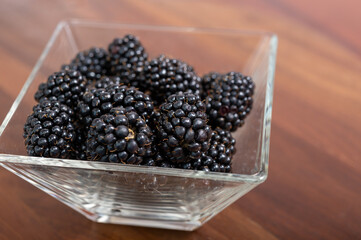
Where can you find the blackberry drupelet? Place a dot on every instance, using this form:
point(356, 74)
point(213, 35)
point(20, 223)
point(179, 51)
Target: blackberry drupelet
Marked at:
point(92, 63)
point(230, 100)
point(49, 130)
point(182, 130)
point(119, 137)
point(166, 76)
point(127, 58)
point(207, 81)
point(97, 102)
point(65, 86)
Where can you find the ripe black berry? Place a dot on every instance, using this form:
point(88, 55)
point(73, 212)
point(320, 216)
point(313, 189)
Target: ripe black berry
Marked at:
point(97, 102)
point(166, 76)
point(182, 129)
point(64, 86)
point(208, 80)
point(218, 157)
point(119, 137)
point(92, 63)
point(230, 100)
point(49, 130)
point(127, 58)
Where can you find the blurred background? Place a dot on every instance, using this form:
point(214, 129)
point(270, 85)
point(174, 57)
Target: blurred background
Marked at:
point(313, 189)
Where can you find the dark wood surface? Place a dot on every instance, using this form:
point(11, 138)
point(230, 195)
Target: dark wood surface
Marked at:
point(314, 185)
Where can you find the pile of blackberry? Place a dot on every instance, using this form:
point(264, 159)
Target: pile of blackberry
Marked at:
point(119, 106)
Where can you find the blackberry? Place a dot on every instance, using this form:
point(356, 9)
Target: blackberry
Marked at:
point(218, 157)
point(119, 137)
point(49, 130)
point(166, 76)
point(182, 129)
point(127, 58)
point(229, 100)
point(65, 86)
point(208, 80)
point(96, 102)
point(92, 63)
point(106, 81)
point(156, 157)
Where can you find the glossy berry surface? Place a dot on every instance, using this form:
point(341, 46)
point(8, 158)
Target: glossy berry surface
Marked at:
point(182, 129)
point(49, 130)
point(229, 100)
point(165, 76)
point(91, 63)
point(208, 80)
point(127, 58)
point(66, 86)
point(97, 102)
point(106, 81)
point(218, 157)
point(119, 137)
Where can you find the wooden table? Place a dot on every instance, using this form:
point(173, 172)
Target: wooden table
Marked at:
point(314, 185)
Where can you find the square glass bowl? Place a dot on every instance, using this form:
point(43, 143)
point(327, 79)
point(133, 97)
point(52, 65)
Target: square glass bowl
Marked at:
point(141, 195)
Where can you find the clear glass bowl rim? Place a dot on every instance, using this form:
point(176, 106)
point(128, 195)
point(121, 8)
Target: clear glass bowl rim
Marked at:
point(260, 176)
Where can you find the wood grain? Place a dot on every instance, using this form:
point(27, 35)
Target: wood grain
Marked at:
point(313, 189)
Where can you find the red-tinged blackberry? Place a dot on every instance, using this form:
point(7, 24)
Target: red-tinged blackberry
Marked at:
point(49, 130)
point(166, 76)
point(119, 137)
point(127, 57)
point(64, 86)
point(218, 157)
point(92, 63)
point(230, 100)
point(97, 102)
point(182, 130)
